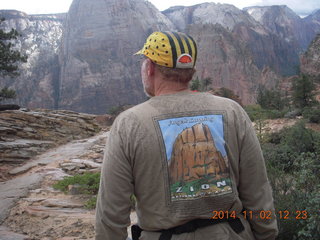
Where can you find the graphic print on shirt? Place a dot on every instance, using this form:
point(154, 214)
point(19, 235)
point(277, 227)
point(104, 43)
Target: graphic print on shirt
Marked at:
point(198, 165)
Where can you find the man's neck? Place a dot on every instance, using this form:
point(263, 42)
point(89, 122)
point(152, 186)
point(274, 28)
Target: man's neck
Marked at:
point(170, 87)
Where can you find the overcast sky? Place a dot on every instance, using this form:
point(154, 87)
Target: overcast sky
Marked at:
point(302, 7)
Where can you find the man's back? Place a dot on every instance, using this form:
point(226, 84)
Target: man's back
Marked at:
point(186, 156)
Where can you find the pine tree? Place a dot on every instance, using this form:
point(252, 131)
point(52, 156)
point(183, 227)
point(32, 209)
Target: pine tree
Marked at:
point(303, 92)
point(206, 82)
point(6, 93)
point(270, 99)
point(9, 58)
point(195, 84)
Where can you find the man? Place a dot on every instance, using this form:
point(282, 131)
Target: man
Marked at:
point(192, 159)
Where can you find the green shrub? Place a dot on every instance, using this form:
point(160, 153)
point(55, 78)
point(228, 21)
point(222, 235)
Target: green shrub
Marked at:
point(303, 92)
point(308, 181)
point(312, 114)
point(115, 110)
point(91, 203)
point(195, 84)
point(6, 93)
point(271, 98)
point(88, 183)
point(256, 112)
point(292, 192)
point(300, 139)
point(293, 163)
point(275, 137)
point(279, 157)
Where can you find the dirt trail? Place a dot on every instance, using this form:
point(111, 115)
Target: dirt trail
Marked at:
point(31, 209)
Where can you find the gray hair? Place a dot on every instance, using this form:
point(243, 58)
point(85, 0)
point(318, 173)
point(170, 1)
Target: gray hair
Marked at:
point(182, 75)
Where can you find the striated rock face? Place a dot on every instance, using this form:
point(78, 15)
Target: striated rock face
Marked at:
point(26, 134)
point(310, 64)
point(99, 70)
point(195, 155)
point(312, 25)
point(208, 13)
point(268, 48)
point(293, 34)
point(40, 41)
point(310, 60)
point(229, 63)
point(240, 48)
point(283, 22)
point(84, 61)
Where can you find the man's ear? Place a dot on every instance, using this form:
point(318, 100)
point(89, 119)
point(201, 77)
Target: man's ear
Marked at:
point(150, 67)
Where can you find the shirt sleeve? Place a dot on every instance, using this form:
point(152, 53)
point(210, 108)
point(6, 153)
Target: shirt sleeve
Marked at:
point(254, 188)
point(116, 186)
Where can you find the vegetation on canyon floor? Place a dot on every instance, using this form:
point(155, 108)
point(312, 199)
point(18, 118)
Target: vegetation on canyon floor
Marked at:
point(274, 103)
point(292, 157)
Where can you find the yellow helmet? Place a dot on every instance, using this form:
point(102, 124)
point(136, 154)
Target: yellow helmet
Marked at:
point(171, 49)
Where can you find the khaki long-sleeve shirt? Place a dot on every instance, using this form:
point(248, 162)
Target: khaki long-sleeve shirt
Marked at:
point(184, 156)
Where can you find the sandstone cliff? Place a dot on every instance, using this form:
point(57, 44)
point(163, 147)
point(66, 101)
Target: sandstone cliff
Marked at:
point(226, 15)
point(40, 41)
point(98, 69)
point(268, 48)
point(310, 60)
point(229, 63)
point(312, 25)
point(195, 155)
point(310, 64)
point(84, 61)
point(283, 22)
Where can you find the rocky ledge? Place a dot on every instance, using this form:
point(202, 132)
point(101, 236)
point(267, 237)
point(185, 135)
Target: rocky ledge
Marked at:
point(25, 133)
point(41, 212)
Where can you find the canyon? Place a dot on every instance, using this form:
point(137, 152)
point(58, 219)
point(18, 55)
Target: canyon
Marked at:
point(83, 60)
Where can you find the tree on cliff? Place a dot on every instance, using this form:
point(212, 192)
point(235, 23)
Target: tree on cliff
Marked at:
point(9, 57)
point(270, 98)
point(228, 93)
point(206, 82)
point(303, 92)
point(195, 84)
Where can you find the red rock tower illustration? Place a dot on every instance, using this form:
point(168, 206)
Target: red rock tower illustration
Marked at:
point(195, 155)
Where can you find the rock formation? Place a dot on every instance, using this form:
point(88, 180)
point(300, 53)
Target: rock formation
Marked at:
point(99, 70)
point(41, 212)
point(292, 34)
point(226, 15)
point(310, 60)
point(312, 25)
point(267, 47)
point(283, 22)
point(40, 41)
point(83, 62)
point(24, 134)
point(195, 155)
point(310, 64)
point(228, 63)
